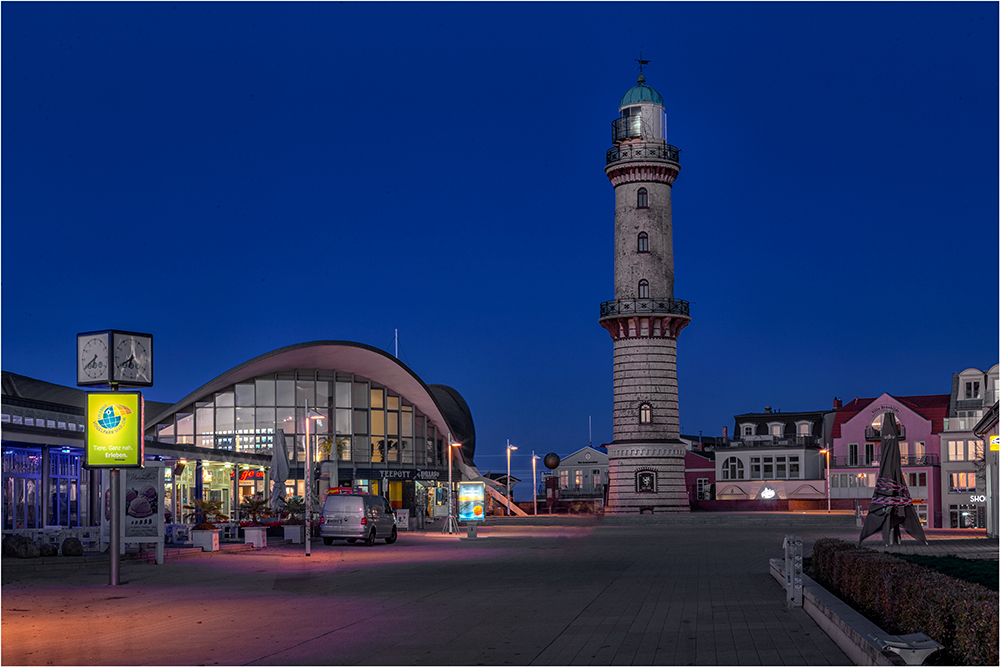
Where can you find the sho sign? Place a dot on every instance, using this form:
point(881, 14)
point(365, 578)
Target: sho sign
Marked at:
point(977, 499)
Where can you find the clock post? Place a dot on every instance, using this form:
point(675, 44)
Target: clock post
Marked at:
point(115, 434)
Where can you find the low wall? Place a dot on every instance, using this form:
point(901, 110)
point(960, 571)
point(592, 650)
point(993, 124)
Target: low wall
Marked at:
point(777, 505)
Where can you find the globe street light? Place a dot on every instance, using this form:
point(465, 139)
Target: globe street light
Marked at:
point(827, 452)
point(509, 448)
point(310, 415)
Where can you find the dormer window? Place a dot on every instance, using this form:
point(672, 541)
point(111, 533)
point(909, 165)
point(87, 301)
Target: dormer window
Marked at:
point(643, 242)
point(642, 198)
point(643, 289)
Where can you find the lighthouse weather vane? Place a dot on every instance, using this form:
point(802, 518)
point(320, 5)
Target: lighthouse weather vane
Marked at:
point(642, 63)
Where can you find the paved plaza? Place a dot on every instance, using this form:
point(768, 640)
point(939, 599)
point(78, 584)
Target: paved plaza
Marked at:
point(588, 593)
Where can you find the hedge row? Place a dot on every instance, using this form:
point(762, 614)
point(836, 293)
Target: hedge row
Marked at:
point(902, 598)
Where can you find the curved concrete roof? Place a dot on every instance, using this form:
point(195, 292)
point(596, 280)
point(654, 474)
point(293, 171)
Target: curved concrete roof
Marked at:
point(442, 404)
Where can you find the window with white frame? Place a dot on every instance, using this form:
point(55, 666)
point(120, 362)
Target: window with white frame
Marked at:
point(577, 479)
point(869, 453)
point(852, 454)
point(755, 467)
point(916, 479)
point(971, 389)
point(803, 428)
point(956, 450)
point(768, 467)
point(793, 467)
point(645, 413)
point(732, 468)
point(747, 429)
point(564, 479)
point(781, 467)
point(777, 429)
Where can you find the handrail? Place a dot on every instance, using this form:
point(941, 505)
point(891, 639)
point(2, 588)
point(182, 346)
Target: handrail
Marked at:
point(644, 306)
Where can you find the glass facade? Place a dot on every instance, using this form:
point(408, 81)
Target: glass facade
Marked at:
point(365, 422)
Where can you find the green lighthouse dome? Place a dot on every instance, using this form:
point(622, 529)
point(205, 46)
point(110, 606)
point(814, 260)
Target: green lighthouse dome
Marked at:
point(641, 93)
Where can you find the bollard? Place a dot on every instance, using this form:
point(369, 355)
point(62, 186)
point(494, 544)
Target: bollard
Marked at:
point(793, 570)
point(471, 529)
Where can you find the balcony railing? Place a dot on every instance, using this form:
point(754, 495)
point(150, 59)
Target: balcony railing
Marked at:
point(644, 306)
point(644, 152)
point(873, 434)
point(873, 462)
point(777, 441)
point(960, 423)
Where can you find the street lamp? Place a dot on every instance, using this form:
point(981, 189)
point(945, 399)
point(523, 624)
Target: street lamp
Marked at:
point(827, 452)
point(451, 525)
point(534, 480)
point(509, 448)
point(310, 416)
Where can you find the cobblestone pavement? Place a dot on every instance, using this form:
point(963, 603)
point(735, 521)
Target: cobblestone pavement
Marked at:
point(518, 595)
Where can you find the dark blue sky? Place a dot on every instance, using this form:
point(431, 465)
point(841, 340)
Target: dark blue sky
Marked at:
point(233, 178)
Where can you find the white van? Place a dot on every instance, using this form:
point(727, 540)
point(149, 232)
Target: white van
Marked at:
point(357, 516)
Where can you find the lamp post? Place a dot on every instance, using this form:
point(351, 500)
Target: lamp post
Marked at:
point(534, 480)
point(451, 525)
point(310, 416)
point(509, 448)
point(827, 452)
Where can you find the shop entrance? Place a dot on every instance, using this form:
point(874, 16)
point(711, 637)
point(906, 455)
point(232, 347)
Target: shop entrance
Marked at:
point(22, 477)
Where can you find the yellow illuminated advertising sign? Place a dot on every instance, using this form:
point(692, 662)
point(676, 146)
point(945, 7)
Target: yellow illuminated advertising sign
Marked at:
point(995, 443)
point(115, 429)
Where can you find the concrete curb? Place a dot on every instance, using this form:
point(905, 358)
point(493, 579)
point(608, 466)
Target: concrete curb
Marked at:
point(679, 518)
point(95, 561)
point(848, 629)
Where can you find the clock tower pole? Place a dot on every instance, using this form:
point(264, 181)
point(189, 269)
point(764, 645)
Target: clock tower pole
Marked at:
point(646, 456)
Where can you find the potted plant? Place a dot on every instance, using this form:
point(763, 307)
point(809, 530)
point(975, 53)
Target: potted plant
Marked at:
point(205, 512)
point(255, 532)
point(295, 529)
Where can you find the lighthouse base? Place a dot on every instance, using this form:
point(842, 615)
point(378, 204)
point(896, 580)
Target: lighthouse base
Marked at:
point(646, 477)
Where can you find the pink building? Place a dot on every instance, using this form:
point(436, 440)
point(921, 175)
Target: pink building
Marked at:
point(854, 461)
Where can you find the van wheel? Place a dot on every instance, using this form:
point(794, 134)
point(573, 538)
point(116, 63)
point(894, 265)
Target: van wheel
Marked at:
point(391, 538)
point(351, 540)
point(370, 541)
point(327, 541)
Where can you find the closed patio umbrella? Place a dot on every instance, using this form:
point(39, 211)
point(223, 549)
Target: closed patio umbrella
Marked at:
point(891, 505)
point(279, 469)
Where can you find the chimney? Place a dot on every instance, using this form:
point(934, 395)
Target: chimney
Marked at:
point(837, 403)
point(725, 433)
point(767, 409)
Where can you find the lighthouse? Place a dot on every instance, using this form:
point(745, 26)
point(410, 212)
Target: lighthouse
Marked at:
point(646, 456)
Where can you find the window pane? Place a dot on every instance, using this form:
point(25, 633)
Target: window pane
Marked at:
point(324, 394)
point(343, 394)
point(305, 390)
point(245, 419)
point(224, 399)
point(244, 394)
point(392, 423)
point(378, 421)
point(406, 421)
point(264, 420)
point(286, 420)
point(224, 420)
point(377, 395)
point(343, 421)
point(361, 421)
point(205, 419)
point(286, 392)
point(265, 391)
point(361, 395)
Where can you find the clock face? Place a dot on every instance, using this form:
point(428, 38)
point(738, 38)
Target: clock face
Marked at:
point(132, 359)
point(92, 362)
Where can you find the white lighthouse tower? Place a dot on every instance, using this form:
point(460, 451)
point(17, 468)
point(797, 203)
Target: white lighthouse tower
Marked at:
point(646, 456)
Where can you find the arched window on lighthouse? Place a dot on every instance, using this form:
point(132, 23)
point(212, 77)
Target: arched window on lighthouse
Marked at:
point(645, 414)
point(642, 198)
point(643, 289)
point(643, 242)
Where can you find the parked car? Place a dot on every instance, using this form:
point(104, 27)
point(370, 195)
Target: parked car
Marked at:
point(357, 516)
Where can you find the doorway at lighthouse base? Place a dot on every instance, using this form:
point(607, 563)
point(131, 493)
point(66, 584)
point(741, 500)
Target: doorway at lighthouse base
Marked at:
point(646, 477)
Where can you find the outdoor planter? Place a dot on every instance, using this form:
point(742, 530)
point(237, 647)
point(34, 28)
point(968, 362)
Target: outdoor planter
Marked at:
point(208, 540)
point(255, 535)
point(297, 534)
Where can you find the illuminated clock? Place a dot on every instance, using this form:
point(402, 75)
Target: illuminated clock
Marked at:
point(93, 365)
point(132, 358)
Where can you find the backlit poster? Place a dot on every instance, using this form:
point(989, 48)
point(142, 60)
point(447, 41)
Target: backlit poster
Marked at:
point(471, 501)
